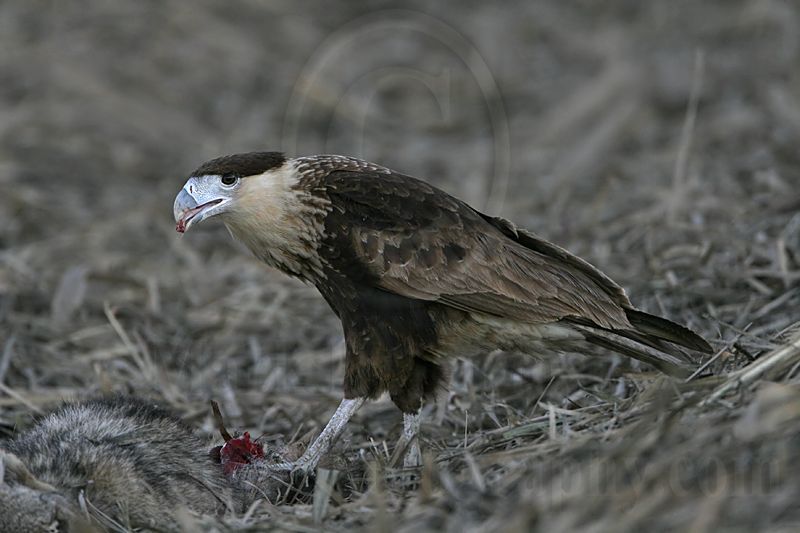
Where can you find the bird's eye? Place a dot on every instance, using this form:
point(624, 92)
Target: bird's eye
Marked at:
point(229, 180)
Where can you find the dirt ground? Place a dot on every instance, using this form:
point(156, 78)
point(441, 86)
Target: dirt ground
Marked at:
point(658, 140)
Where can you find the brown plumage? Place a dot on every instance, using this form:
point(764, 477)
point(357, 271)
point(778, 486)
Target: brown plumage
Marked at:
point(416, 275)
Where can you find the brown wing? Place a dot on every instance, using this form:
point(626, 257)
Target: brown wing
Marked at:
point(417, 241)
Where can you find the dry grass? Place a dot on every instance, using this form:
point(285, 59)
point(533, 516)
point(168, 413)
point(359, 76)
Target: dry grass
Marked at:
point(659, 142)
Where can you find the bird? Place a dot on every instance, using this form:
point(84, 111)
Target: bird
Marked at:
point(417, 277)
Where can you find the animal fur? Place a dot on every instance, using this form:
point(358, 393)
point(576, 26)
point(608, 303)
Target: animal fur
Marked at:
point(108, 464)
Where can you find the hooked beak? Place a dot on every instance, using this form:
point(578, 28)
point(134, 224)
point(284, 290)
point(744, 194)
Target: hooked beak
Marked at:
point(193, 205)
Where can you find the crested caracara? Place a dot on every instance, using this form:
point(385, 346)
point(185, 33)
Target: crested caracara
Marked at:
point(416, 276)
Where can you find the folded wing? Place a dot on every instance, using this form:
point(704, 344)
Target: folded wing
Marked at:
point(417, 241)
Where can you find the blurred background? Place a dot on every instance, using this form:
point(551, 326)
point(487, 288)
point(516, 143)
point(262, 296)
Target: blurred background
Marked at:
point(659, 140)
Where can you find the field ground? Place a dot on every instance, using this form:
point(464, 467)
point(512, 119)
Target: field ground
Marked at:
point(660, 141)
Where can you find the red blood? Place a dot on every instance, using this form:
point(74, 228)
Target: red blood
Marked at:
point(181, 227)
point(238, 452)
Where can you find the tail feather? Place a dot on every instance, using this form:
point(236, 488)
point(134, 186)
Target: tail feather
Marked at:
point(665, 360)
point(661, 328)
point(653, 340)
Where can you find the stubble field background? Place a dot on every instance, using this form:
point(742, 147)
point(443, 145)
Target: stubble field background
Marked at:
point(660, 141)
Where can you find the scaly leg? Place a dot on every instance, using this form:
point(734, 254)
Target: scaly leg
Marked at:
point(324, 442)
point(413, 457)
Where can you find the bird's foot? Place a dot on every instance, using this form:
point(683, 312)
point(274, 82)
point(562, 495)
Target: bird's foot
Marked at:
point(408, 445)
point(407, 477)
point(283, 467)
point(295, 481)
point(413, 456)
point(297, 470)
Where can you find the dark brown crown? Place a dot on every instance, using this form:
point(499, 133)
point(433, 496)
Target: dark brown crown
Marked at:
point(248, 164)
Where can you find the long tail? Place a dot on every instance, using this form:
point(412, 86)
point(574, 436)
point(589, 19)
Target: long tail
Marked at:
point(654, 340)
point(661, 328)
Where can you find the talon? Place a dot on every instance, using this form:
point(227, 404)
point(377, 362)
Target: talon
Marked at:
point(283, 467)
point(293, 468)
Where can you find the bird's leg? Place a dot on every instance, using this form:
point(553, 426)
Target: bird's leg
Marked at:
point(413, 456)
point(325, 440)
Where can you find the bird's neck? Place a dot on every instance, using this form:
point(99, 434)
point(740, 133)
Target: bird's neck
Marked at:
point(282, 226)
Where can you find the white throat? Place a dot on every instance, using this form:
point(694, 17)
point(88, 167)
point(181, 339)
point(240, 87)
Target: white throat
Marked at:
point(276, 220)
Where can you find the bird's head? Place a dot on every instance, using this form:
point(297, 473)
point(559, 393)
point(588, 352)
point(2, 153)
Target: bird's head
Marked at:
point(236, 187)
point(260, 198)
